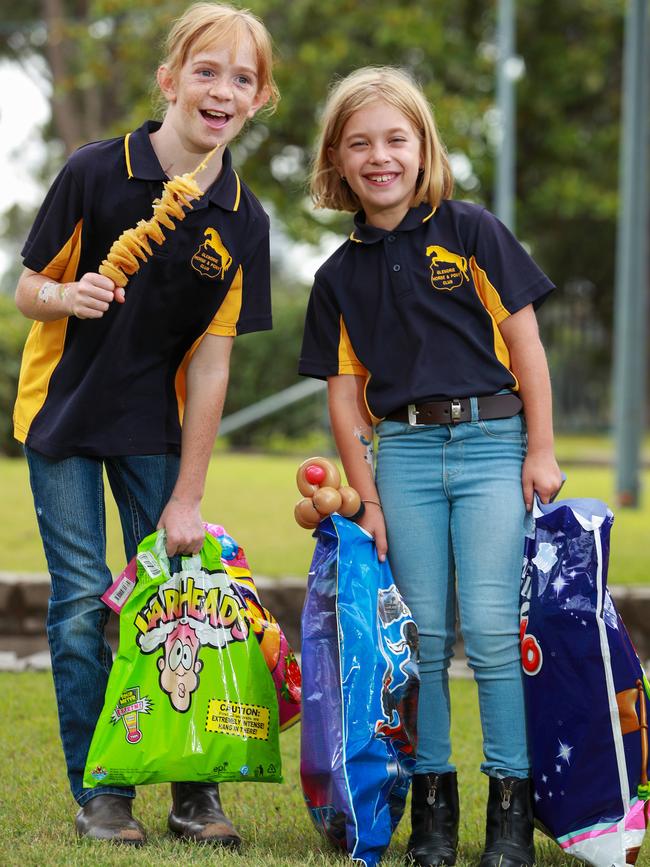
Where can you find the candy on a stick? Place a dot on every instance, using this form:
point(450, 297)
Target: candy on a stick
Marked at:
point(319, 481)
point(133, 247)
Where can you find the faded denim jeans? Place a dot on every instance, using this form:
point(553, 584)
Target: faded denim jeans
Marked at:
point(69, 501)
point(456, 523)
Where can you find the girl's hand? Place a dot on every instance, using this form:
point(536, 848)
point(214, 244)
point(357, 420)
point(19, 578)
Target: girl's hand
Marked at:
point(183, 526)
point(91, 296)
point(373, 522)
point(540, 474)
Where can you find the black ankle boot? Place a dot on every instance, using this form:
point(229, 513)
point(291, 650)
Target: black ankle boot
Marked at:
point(509, 826)
point(434, 820)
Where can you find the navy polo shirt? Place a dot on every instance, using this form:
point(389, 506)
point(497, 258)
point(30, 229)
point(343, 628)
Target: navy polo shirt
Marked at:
point(416, 310)
point(115, 385)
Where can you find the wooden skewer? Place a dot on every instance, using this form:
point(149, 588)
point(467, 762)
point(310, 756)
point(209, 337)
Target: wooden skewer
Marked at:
point(122, 258)
point(204, 162)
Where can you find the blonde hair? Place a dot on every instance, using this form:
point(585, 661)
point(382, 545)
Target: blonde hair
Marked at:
point(204, 24)
point(398, 89)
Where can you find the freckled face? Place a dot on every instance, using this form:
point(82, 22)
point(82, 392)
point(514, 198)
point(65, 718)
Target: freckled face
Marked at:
point(213, 95)
point(380, 155)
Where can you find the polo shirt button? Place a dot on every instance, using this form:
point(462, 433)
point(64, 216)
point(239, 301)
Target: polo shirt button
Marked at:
point(391, 238)
point(397, 267)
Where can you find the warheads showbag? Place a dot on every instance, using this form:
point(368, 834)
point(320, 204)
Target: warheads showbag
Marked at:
point(586, 693)
point(360, 687)
point(190, 696)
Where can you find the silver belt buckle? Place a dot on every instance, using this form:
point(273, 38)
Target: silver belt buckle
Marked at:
point(455, 411)
point(413, 415)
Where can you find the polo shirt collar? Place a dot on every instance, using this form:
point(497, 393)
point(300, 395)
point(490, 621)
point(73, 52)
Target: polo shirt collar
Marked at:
point(367, 234)
point(142, 163)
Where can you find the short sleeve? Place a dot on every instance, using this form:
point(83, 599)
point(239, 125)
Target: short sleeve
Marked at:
point(247, 305)
point(326, 346)
point(504, 272)
point(54, 236)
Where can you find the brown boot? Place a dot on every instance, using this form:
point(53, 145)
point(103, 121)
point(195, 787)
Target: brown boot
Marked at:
point(196, 814)
point(109, 817)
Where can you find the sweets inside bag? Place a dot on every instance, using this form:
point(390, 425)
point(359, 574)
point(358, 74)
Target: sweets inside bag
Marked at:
point(191, 695)
point(360, 687)
point(586, 693)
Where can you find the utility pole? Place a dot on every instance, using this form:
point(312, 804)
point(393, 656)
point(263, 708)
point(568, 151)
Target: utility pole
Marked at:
point(631, 291)
point(508, 71)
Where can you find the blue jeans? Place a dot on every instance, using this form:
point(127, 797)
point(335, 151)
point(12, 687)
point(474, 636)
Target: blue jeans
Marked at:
point(69, 501)
point(456, 522)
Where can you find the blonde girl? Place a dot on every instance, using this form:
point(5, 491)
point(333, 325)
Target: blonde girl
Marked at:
point(423, 324)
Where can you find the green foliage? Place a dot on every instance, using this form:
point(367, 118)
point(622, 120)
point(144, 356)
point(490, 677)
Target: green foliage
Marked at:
point(13, 330)
point(102, 55)
point(568, 138)
point(265, 363)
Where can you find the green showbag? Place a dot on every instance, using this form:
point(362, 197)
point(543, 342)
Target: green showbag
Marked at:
point(190, 696)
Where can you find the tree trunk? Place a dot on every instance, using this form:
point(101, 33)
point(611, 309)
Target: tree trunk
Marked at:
point(64, 111)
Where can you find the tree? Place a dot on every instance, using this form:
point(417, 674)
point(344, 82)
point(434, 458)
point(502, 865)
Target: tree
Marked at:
point(102, 54)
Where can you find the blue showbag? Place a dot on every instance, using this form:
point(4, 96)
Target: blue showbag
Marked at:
point(359, 693)
point(586, 692)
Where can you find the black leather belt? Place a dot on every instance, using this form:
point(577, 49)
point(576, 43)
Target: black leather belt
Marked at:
point(457, 410)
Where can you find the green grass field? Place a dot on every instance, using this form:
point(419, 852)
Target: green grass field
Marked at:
point(37, 811)
point(253, 497)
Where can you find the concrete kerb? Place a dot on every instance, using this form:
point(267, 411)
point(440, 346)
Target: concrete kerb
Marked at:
point(24, 598)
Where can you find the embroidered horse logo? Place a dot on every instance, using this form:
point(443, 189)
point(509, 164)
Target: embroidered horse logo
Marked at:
point(212, 259)
point(448, 270)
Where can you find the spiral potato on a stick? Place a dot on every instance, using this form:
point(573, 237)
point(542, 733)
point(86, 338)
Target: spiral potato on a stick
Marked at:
point(133, 247)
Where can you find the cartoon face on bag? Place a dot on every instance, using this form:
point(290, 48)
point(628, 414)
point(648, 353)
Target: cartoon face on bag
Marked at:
point(180, 666)
point(185, 613)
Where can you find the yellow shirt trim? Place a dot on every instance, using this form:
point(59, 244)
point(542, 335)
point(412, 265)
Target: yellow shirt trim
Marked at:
point(491, 300)
point(227, 316)
point(238, 196)
point(45, 343)
point(224, 324)
point(180, 382)
point(373, 418)
point(127, 155)
point(348, 361)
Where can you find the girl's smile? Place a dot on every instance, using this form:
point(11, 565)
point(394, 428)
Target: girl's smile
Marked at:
point(209, 100)
point(379, 156)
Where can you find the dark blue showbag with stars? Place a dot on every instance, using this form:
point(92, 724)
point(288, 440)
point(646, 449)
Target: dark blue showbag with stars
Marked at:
point(586, 692)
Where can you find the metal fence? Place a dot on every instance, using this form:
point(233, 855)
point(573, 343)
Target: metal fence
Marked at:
point(579, 352)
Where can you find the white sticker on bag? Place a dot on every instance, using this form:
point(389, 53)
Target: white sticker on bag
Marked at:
point(149, 564)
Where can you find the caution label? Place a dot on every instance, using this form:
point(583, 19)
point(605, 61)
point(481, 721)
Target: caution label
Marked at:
point(240, 720)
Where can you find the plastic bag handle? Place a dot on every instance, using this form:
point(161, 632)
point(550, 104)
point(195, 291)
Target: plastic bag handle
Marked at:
point(189, 561)
point(538, 506)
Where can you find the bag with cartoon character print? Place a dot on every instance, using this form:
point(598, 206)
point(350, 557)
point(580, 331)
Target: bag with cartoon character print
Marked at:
point(587, 697)
point(190, 696)
point(360, 689)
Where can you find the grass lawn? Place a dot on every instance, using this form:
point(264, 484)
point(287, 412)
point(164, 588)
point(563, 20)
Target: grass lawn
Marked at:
point(36, 810)
point(253, 497)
